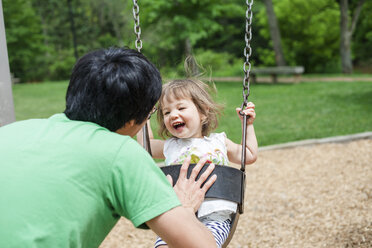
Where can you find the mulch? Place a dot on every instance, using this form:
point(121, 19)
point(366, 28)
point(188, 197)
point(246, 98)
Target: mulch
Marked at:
point(310, 196)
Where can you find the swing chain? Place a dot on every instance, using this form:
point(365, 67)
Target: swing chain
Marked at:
point(137, 28)
point(247, 69)
point(138, 43)
point(247, 52)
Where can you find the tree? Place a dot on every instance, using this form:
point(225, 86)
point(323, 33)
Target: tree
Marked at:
point(362, 40)
point(309, 35)
point(347, 30)
point(6, 98)
point(73, 29)
point(24, 39)
point(275, 33)
point(175, 28)
point(97, 24)
point(112, 19)
point(57, 37)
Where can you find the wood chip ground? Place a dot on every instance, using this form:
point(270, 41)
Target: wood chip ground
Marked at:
point(313, 196)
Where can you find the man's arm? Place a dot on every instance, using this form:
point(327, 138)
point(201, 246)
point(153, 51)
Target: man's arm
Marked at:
point(179, 226)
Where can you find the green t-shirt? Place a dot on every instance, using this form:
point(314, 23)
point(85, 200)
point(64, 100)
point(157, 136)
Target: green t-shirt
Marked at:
point(65, 183)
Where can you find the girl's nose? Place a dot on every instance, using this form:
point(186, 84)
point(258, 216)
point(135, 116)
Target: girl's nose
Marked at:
point(174, 115)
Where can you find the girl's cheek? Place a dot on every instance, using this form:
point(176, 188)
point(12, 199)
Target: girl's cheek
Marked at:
point(166, 123)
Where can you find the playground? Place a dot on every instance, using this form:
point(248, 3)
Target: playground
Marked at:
point(313, 192)
point(305, 196)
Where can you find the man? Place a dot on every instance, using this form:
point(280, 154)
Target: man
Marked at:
point(65, 181)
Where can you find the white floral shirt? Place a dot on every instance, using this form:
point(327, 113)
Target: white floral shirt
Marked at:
point(214, 148)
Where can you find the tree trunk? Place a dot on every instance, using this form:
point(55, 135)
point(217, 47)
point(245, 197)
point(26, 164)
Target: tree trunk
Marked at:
point(191, 66)
point(345, 39)
point(6, 97)
point(347, 33)
point(275, 33)
point(73, 30)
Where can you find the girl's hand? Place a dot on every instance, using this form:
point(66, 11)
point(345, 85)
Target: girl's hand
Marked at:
point(249, 110)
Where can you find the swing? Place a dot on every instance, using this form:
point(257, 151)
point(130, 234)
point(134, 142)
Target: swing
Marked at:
point(232, 186)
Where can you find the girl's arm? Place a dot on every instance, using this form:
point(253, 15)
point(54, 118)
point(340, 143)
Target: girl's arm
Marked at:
point(156, 145)
point(234, 151)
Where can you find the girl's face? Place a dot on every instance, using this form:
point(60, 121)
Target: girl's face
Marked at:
point(182, 118)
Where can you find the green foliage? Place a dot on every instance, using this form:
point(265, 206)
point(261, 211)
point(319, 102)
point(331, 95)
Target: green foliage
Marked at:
point(310, 33)
point(266, 56)
point(61, 64)
point(40, 44)
point(219, 64)
point(190, 19)
point(39, 35)
point(106, 40)
point(24, 39)
point(363, 36)
point(211, 64)
point(171, 23)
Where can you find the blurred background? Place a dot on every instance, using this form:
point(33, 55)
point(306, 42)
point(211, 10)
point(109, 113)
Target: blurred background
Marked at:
point(330, 39)
point(45, 37)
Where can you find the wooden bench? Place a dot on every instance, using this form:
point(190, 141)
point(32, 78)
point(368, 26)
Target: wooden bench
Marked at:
point(296, 71)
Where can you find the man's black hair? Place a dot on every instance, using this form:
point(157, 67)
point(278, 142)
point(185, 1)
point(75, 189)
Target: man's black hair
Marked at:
point(111, 87)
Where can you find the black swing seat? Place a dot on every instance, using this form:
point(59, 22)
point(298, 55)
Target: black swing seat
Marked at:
point(230, 188)
point(228, 185)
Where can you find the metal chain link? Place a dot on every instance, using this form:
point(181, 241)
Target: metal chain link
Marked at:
point(247, 70)
point(137, 28)
point(247, 52)
point(138, 43)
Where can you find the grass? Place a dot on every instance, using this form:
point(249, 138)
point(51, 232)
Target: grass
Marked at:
point(290, 112)
point(338, 75)
point(285, 112)
point(39, 100)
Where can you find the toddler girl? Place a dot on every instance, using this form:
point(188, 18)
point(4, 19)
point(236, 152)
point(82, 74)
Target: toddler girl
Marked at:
point(187, 115)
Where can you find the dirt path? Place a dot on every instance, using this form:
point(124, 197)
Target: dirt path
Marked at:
point(313, 196)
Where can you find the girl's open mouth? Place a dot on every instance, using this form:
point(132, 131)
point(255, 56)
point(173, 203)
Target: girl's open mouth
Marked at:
point(178, 125)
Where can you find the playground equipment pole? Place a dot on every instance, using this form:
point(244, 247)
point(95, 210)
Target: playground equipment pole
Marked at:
point(6, 97)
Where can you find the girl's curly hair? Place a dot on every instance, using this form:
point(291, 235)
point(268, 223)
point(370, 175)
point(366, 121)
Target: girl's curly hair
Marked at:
point(199, 93)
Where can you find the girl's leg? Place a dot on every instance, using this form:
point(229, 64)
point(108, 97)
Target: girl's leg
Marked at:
point(220, 230)
point(159, 243)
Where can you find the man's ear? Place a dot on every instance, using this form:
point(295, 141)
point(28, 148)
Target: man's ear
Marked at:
point(130, 123)
point(127, 128)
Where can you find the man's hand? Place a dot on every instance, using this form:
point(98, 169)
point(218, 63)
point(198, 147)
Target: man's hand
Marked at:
point(188, 190)
point(189, 231)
